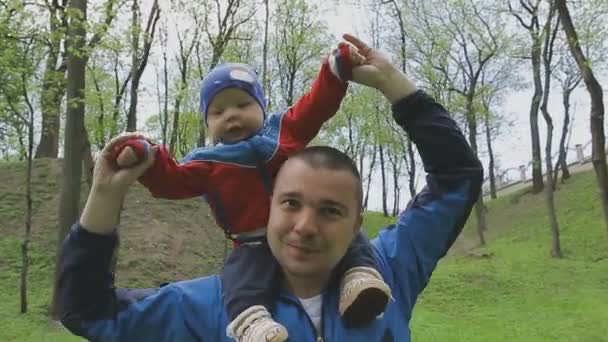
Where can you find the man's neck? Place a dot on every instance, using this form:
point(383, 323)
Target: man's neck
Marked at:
point(305, 287)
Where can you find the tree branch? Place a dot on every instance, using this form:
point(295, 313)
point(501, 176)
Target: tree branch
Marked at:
point(110, 13)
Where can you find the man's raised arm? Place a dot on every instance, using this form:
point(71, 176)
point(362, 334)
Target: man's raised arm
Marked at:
point(410, 249)
point(428, 227)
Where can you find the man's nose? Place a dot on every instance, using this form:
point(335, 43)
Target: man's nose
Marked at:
point(305, 223)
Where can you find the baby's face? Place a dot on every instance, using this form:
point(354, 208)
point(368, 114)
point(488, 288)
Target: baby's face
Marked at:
point(234, 115)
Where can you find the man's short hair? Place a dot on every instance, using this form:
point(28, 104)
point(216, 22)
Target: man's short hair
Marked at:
point(325, 157)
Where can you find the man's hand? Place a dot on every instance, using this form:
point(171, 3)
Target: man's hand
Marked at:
point(378, 72)
point(108, 178)
point(127, 157)
point(110, 184)
point(133, 152)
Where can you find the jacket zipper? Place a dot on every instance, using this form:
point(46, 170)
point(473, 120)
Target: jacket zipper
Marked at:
point(299, 304)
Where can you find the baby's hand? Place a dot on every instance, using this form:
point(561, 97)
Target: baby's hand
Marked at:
point(355, 57)
point(131, 153)
point(343, 59)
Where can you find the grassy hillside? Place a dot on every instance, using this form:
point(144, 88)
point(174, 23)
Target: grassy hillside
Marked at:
point(160, 240)
point(510, 290)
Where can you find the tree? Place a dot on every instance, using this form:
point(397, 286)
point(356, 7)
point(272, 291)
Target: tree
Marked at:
point(140, 58)
point(411, 165)
point(459, 42)
point(53, 83)
point(28, 120)
point(594, 88)
point(496, 81)
point(531, 9)
point(299, 42)
point(569, 78)
point(18, 74)
point(265, 48)
point(74, 139)
point(78, 50)
point(186, 43)
point(592, 38)
point(163, 99)
point(549, 34)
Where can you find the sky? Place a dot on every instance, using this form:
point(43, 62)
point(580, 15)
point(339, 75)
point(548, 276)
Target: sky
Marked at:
point(513, 146)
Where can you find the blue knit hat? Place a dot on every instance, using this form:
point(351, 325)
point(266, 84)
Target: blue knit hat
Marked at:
point(231, 75)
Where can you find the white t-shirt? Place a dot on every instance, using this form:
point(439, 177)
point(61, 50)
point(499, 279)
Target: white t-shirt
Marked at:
point(313, 307)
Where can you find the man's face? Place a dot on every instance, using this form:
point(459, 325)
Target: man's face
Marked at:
point(314, 215)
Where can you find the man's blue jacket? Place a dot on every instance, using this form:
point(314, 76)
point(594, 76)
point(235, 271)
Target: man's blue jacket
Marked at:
point(407, 253)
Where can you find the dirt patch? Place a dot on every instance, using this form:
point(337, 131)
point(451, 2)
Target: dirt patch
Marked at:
point(160, 240)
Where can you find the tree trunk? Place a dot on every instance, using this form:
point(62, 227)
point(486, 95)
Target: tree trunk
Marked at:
point(202, 135)
point(563, 153)
point(139, 63)
point(164, 122)
point(556, 248)
point(175, 129)
point(88, 163)
point(350, 149)
point(537, 173)
point(22, 144)
point(25, 259)
point(361, 158)
point(119, 92)
point(411, 169)
point(132, 114)
point(100, 138)
point(53, 90)
point(598, 139)
point(369, 176)
point(290, 87)
point(72, 166)
point(177, 107)
point(52, 94)
point(135, 32)
point(265, 50)
point(396, 189)
point(382, 170)
point(547, 56)
point(479, 206)
point(491, 157)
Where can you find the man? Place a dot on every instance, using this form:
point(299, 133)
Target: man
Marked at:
point(315, 213)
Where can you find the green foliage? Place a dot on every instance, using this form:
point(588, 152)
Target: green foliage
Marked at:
point(300, 41)
point(19, 60)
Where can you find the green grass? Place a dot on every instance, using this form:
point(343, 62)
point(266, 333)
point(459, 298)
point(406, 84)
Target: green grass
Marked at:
point(34, 325)
point(520, 293)
point(509, 290)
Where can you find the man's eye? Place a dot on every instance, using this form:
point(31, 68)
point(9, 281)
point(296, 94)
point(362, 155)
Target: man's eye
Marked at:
point(333, 212)
point(244, 104)
point(216, 112)
point(291, 204)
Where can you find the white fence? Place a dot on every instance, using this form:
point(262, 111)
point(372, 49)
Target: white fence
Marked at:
point(522, 174)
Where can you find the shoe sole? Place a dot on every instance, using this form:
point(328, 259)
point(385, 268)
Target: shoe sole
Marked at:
point(365, 308)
